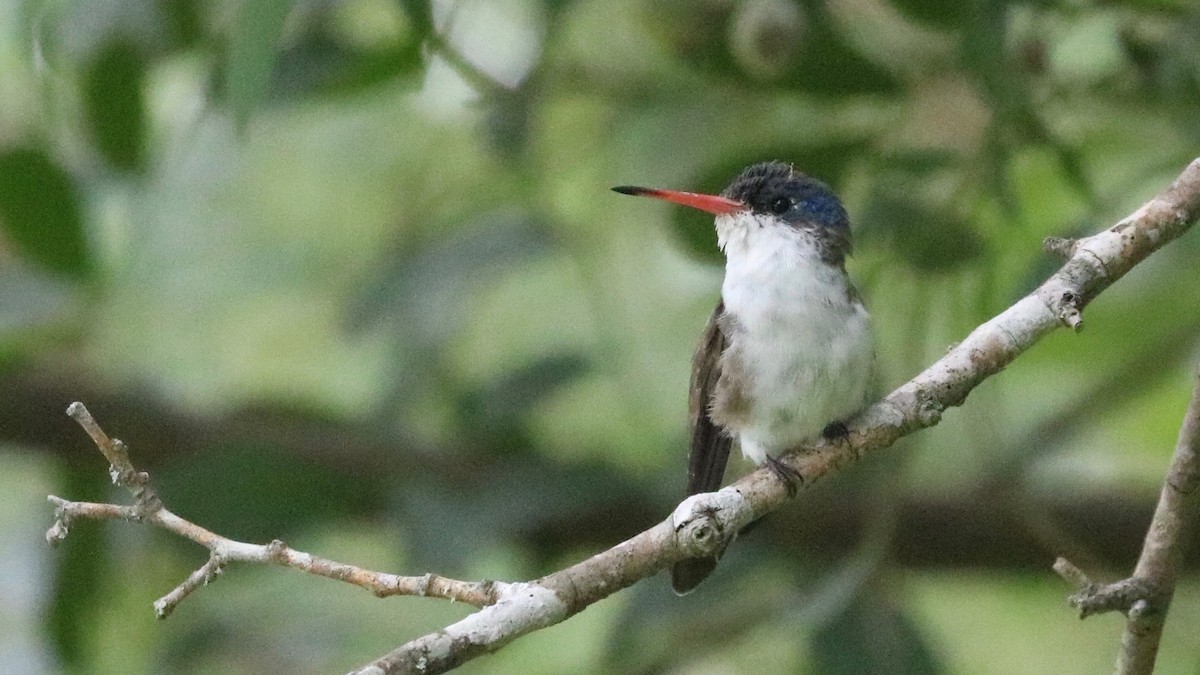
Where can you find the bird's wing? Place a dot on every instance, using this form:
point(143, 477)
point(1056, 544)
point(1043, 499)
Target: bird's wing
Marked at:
point(709, 444)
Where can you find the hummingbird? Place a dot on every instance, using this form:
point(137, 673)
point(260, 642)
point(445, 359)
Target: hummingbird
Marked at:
point(787, 355)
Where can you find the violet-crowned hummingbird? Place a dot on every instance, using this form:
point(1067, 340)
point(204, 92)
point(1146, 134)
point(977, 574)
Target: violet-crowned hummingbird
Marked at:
point(787, 355)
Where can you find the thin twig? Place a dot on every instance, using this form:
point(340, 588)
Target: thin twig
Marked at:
point(1073, 575)
point(1145, 596)
point(1059, 246)
point(1093, 598)
point(149, 509)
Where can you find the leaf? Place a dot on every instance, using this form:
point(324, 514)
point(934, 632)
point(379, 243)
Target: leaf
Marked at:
point(872, 635)
point(320, 65)
point(40, 212)
point(798, 50)
point(1003, 83)
point(694, 32)
point(182, 22)
point(928, 237)
point(422, 291)
point(257, 28)
point(758, 587)
point(366, 47)
point(266, 491)
point(452, 521)
point(938, 13)
point(421, 295)
point(656, 631)
point(82, 569)
point(420, 14)
point(829, 65)
point(498, 411)
point(507, 118)
point(910, 211)
point(114, 102)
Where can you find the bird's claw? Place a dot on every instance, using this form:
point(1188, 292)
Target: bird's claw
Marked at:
point(790, 477)
point(836, 432)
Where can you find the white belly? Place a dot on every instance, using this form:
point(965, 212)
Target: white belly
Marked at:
point(802, 342)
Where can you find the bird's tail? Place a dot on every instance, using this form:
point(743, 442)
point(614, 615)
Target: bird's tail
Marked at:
point(687, 574)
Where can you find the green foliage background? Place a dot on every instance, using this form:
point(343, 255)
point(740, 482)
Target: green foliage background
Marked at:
point(349, 274)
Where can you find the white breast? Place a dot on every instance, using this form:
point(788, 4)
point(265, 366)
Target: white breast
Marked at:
point(804, 343)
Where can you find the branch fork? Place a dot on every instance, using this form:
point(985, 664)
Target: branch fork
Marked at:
point(1145, 596)
point(706, 523)
point(1125, 596)
point(148, 509)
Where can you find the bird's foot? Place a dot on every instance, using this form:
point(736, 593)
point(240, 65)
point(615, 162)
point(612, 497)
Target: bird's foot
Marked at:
point(836, 432)
point(785, 473)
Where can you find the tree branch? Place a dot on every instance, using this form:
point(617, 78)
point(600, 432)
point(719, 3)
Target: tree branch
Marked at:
point(1095, 263)
point(704, 523)
point(148, 508)
point(1145, 597)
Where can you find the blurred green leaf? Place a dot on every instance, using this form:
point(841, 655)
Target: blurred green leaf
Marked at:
point(31, 303)
point(912, 212)
point(927, 237)
point(320, 64)
point(773, 41)
point(1166, 59)
point(422, 287)
point(253, 50)
point(183, 21)
point(264, 492)
point(421, 294)
point(420, 14)
point(40, 212)
point(498, 412)
point(917, 162)
point(114, 102)
point(508, 113)
point(999, 75)
point(765, 36)
point(658, 629)
point(829, 65)
point(939, 13)
point(694, 30)
point(1089, 51)
point(873, 635)
point(83, 567)
point(453, 520)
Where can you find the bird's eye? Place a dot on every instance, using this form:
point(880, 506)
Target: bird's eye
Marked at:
point(781, 206)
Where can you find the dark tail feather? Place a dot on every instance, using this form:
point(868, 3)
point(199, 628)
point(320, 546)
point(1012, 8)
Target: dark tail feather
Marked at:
point(686, 575)
point(709, 447)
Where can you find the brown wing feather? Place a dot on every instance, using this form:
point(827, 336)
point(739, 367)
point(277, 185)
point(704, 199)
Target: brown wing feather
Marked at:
point(709, 444)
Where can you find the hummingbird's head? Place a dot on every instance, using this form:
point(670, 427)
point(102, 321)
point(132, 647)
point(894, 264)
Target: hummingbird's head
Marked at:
point(772, 195)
